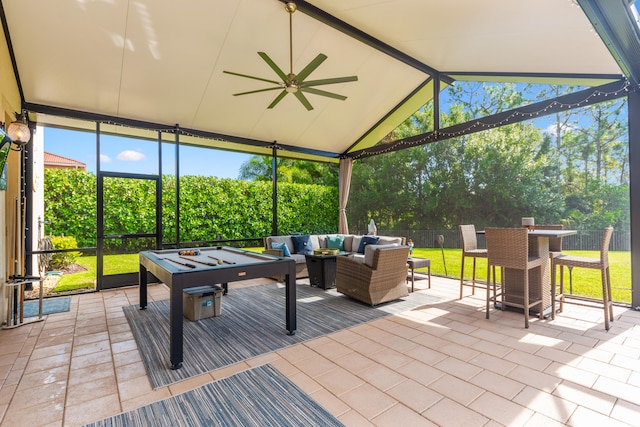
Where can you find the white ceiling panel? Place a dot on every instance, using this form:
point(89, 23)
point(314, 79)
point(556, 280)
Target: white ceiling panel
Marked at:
point(542, 36)
point(162, 61)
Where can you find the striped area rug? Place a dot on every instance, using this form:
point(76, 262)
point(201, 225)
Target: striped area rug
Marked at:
point(252, 323)
point(260, 396)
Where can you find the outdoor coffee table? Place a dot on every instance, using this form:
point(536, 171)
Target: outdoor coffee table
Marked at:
point(414, 263)
point(322, 269)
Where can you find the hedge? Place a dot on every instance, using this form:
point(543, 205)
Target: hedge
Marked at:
point(209, 207)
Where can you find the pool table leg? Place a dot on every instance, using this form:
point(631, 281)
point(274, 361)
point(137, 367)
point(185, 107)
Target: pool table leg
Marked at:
point(175, 327)
point(290, 303)
point(142, 278)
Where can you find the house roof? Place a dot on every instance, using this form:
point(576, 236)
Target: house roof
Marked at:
point(160, 64)
point(51, 159)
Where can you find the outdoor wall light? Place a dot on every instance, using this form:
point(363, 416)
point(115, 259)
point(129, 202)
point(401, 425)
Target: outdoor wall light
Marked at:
point(18, 130)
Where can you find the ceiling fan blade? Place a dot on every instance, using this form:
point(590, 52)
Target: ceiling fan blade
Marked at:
point(257, 91)
point(252, 77)
point(273, 66)
point(329, 81)
point(323, 93)
point(311, 66)
point(278, 99)
point(304, 100)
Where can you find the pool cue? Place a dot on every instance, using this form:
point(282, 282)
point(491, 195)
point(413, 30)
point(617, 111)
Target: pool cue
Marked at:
point(186, 264)
point(198, 261)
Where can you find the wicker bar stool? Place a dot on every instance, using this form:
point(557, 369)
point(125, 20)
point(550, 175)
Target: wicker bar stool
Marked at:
point(601, 264)
point(470, 249)
point(509, 248)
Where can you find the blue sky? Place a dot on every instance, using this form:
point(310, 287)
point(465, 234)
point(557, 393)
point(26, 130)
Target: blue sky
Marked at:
point(140, 156)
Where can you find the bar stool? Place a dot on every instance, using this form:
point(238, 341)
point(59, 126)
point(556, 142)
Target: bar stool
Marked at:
point(601, 264)
point(470, 249)
point(509, 248)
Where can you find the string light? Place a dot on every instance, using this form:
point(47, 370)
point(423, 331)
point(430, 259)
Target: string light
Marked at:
point(479, 123)
point(433, 136)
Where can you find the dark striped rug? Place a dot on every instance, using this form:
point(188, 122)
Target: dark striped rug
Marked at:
point(252, 323)
point(260, 396)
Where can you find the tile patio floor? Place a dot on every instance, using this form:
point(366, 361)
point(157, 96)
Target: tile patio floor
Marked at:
point(443, 364)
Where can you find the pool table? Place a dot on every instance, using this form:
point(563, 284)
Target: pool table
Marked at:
point(211, 265)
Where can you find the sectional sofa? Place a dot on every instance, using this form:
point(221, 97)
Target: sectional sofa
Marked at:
point(297, 245)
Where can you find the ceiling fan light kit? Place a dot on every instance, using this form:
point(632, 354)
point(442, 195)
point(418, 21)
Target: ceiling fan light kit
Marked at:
point(295, 83)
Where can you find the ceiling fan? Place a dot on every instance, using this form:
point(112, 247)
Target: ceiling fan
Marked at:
point(295, 83)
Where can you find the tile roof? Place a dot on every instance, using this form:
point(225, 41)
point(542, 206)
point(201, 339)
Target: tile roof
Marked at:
point(55, 160)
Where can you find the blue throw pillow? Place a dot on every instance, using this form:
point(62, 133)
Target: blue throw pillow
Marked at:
point(335, 242)
point(302, 244)
point(283, 246)
point(367, 240)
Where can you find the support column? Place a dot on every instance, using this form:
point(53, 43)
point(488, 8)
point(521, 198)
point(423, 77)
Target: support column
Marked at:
point(27, 186)
point(634, 194)
point(177, 193)
point(99, 214)
point(274, 183)
point(436, 102)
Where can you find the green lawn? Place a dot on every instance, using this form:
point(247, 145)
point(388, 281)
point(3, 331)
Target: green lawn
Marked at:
point(113, 264)
point(585, 282)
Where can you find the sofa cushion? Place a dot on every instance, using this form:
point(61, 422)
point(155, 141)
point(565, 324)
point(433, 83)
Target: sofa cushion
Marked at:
point(298, 258)
point(367, 240)
point(335, 242)
point(279, 239)
point(353, 244)
point(357, 257)
point(389, 240)
point(322, 241)
point(315, 241)
point(283, 246)
point(302, 244)
point(369, 251)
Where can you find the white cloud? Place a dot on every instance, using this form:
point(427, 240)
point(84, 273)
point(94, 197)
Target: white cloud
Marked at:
point(131, 156)
point(567, 127)
point(104, 158)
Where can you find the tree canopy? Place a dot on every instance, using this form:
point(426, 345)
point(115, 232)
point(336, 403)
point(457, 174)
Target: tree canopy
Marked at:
point(258, 168)
point(574, 172)
point(572, 168)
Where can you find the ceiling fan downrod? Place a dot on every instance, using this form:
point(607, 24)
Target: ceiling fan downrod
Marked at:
point(291, 85)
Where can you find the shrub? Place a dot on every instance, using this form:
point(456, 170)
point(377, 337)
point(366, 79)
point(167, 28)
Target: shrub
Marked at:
point(63, 259)
point(209, 207)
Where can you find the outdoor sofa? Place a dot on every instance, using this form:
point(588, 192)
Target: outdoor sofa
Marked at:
point(349, 243)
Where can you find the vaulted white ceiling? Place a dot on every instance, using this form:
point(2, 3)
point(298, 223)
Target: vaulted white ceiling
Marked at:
point(162, 61)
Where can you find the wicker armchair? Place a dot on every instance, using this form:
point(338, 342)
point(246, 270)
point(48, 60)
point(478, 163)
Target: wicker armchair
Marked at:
point(509, 248)
point(383, 281)
point(601, 264)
